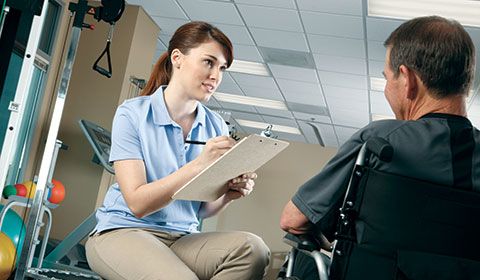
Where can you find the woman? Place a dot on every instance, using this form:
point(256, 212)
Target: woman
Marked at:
point(141, 232)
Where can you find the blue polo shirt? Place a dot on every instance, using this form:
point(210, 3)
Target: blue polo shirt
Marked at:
point(142, 129)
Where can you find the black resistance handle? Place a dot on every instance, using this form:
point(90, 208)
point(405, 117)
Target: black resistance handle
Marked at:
point(104, 72)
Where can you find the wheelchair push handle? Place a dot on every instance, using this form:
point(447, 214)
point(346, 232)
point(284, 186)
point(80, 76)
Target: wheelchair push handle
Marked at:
point(380, 148)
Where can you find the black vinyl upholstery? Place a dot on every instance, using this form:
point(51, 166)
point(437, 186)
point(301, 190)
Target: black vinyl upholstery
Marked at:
point(409, 229)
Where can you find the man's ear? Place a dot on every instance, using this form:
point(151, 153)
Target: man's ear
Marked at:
point(410, 82)
point(176, 58)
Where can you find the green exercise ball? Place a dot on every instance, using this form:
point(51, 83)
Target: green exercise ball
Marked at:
point(14, 228)
point(9, 190)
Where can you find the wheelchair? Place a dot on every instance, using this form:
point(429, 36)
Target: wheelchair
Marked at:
point(396, 227)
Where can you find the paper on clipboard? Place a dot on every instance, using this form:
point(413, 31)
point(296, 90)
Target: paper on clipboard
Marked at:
point(247, 155)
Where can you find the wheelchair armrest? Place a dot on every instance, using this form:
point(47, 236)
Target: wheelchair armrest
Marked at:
point(302, 242)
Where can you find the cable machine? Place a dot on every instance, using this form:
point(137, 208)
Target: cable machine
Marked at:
point(110, 11)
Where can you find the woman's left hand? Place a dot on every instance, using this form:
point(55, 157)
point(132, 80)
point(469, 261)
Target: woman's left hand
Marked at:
point(241, 186)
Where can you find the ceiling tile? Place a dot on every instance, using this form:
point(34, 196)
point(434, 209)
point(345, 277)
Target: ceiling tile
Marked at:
point(236, 33)
point(280, 39)
point(293, 73)
point(344, 133)
point(251, 130)
point(327, 134)
point(336, 96)
point(213, 103)
point(164, 8)
point(245, 52)
point(289, 137)
point(343, 80)
point(349, 7)
point(312, 118)
point(281, 121)
point(230, 88)
point(475, 35)
point(353, 118)
point(379, 104)
point(474, 115)
point(328, 45)
point(378, 29)
point(247, 116)
point(237, 107)
point(376, 50)
point(253, 80)
point(274, 112)
point(211, 11)
point(301, 92)
point(287, 4)
point(341, 64)
point(168, 25)
point(271, 18)
point(165, 39)
point(375, 68)
point(267, 93)
point(321, 23)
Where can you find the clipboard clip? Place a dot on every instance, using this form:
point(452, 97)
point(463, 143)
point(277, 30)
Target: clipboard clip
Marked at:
point(267, 132)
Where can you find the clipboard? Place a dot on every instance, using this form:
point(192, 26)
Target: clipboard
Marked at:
point(247, 155)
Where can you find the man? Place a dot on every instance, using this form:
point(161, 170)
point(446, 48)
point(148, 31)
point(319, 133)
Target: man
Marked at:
point(429, 68)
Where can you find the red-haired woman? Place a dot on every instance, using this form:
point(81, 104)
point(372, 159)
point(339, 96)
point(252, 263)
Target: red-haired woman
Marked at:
point(141, 232)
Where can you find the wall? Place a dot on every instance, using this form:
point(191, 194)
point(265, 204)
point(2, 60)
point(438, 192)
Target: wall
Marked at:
point(95, 98)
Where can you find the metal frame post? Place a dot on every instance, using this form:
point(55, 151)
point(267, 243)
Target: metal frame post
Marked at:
point(17, 106)
point(48, 158)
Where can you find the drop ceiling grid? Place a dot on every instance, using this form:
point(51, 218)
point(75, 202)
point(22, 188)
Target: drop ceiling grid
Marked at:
point(336, 65)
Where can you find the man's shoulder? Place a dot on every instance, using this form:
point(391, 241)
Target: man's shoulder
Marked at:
point(381, 128)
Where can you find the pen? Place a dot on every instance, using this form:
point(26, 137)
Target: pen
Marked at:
point(195, 142)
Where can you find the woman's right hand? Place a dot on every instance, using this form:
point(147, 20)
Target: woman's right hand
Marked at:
point(214, 148)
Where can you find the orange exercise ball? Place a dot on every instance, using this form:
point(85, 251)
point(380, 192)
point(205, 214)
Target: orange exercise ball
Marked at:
point(57, 193)
point(31, 188)
point(7, 256)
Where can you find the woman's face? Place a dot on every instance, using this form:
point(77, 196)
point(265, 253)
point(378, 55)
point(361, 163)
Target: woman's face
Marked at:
point(199, 72)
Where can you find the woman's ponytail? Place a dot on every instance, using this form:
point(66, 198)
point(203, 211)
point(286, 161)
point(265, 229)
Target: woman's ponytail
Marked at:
point(162, 71)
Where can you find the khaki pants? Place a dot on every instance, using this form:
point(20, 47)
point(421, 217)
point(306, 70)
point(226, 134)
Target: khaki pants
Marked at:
point(136, 254)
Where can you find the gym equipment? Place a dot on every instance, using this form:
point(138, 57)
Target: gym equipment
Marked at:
point(110, 11)
point(57, 193)
point(12, 225)
point(100, 140)
point(31, 187)
point(7, 256)
point(21, 190)
point(9, 190)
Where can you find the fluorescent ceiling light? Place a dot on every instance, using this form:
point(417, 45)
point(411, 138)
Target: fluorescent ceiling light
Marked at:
point(377, 117)
point(465, 11)
point(249, 67)
point(253, 101)
point(275, 127)
point(377, 84)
